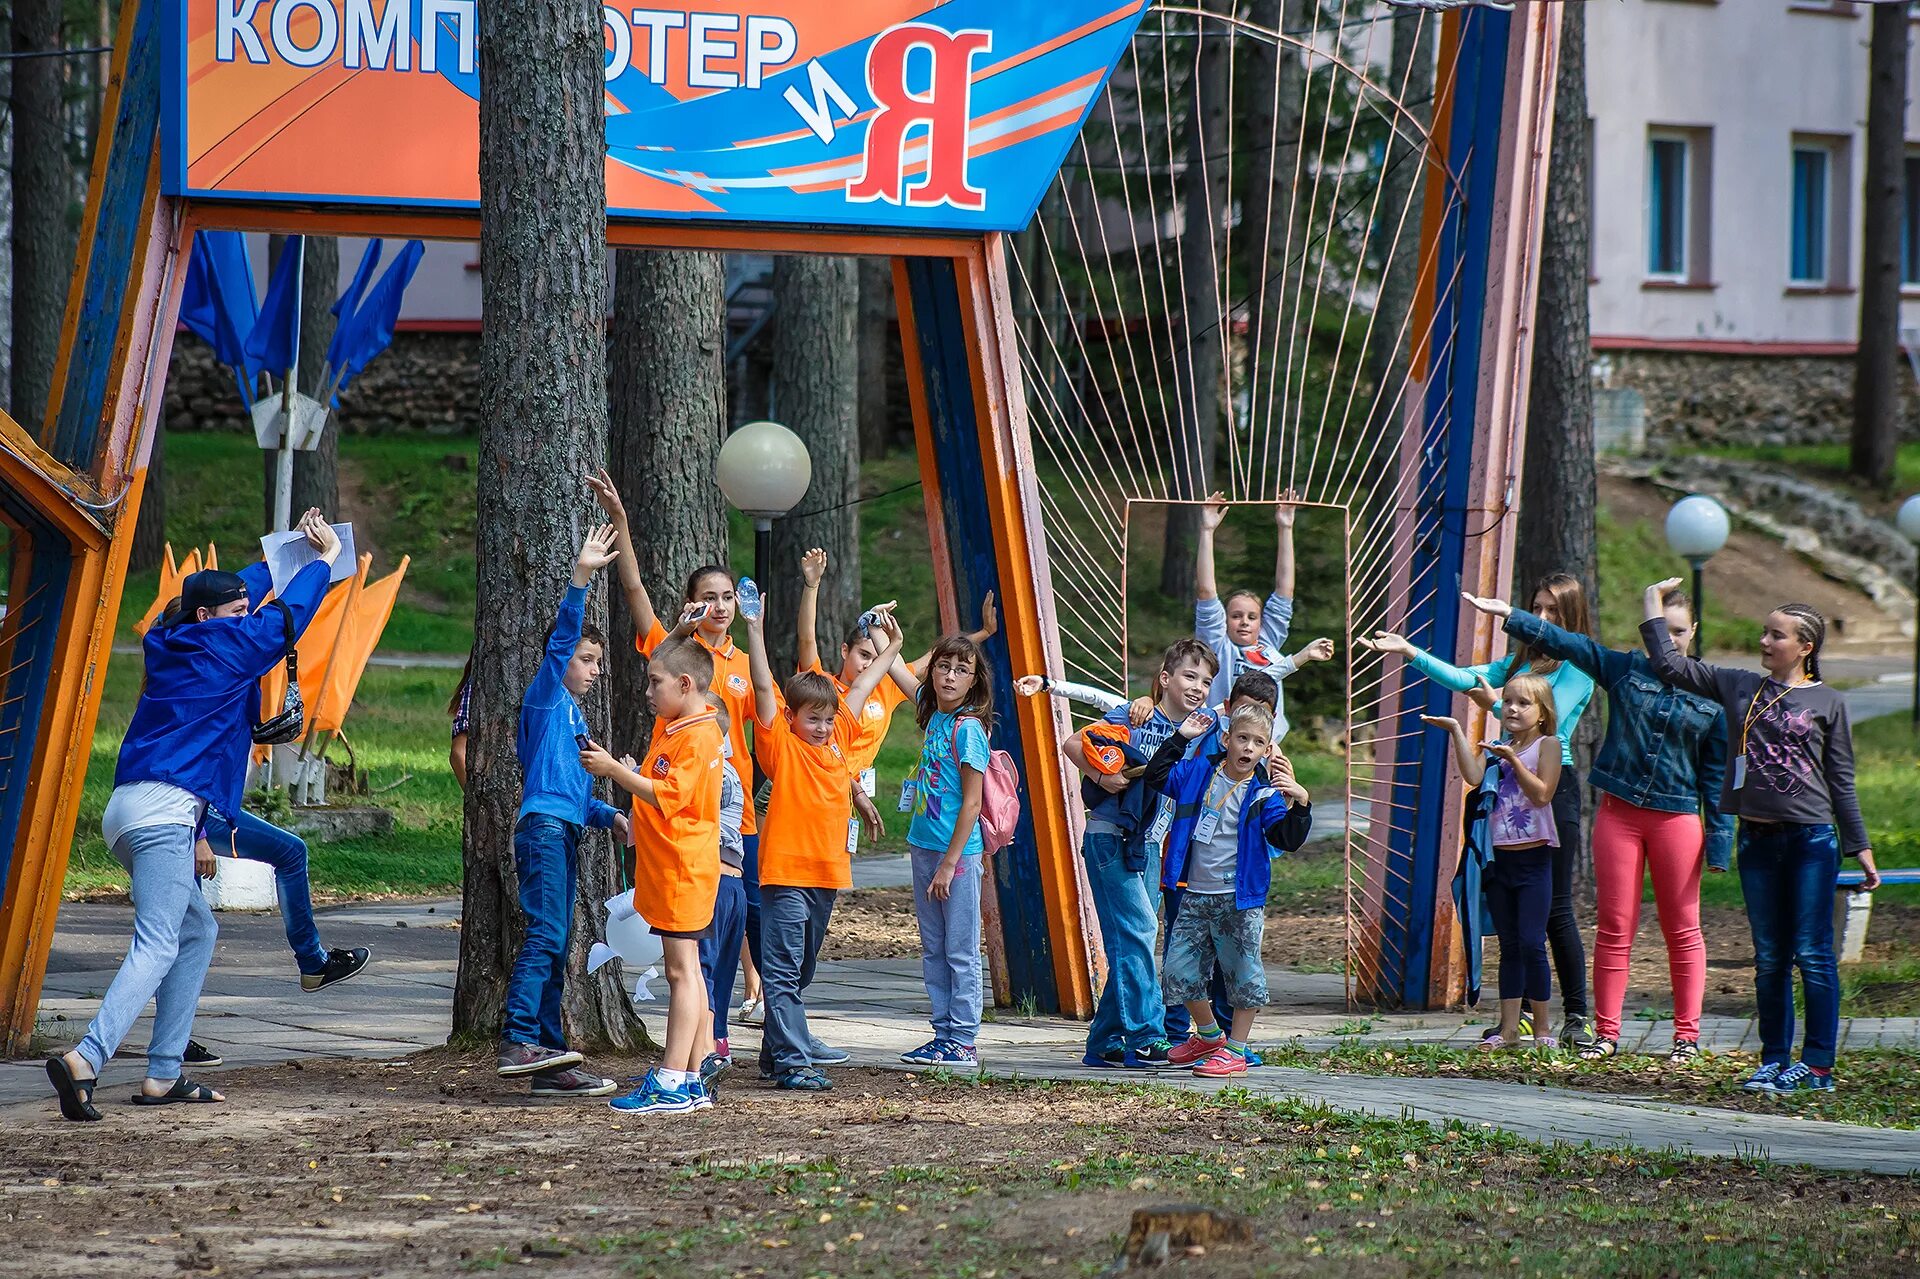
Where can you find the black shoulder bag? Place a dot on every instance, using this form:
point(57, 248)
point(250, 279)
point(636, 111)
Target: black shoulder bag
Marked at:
point(288, 725)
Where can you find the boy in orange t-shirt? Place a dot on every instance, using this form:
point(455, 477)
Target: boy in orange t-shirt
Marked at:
point(803, 743)
point(676, 872)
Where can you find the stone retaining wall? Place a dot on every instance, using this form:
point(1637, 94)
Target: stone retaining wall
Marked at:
point(1698, 399)
point(424, 382)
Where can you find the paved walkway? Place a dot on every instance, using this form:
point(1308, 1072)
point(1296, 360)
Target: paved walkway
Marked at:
point(254, 1013)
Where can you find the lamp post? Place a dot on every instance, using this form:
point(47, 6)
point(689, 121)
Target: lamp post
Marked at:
point(764, 470)
point(1697, 528)
point(1908, 522)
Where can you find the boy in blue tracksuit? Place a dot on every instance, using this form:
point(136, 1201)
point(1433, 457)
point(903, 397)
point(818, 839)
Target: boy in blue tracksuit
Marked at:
point(184, 754)
point(1232, 807)
point(556, 804)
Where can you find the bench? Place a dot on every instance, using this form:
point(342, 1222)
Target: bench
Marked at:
point(1852, 910)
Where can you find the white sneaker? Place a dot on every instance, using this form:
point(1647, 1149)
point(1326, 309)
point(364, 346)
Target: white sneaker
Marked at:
point(751, 1012)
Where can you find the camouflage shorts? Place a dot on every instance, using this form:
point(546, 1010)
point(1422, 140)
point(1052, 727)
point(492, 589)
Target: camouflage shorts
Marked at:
point(1209, 930)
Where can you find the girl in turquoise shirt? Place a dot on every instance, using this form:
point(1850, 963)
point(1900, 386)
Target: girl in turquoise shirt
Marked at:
point(1559, 598)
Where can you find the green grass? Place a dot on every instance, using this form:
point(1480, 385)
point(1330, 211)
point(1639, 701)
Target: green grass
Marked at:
point(1880, 1088)
point(1829, 460)
point(1631, 555)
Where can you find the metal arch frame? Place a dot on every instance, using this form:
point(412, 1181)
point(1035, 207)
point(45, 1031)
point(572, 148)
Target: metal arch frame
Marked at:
point(83, 480)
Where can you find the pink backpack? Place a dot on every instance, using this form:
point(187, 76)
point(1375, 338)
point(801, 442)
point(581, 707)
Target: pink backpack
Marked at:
point(999, 797)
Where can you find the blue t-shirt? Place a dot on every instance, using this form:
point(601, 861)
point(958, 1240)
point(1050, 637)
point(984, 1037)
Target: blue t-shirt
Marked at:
point(1106, 815)
point(936, 802)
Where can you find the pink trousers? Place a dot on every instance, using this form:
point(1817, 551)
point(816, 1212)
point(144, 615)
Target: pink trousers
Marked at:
point(1627, 841)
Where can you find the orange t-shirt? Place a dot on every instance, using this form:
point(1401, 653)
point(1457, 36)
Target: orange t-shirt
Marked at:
point(676, 864)
point(734, 683)
point(809, 817)
point(870, 721)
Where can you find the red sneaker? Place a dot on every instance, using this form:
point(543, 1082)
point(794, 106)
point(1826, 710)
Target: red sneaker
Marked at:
point(1221, 1064)
point(1195, 1048)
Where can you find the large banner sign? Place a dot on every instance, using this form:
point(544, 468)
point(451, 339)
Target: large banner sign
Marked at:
point(885, 113)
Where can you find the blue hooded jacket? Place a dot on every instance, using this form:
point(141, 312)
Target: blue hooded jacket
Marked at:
point(1266, 820)
point(193, 725)
point(553, 783)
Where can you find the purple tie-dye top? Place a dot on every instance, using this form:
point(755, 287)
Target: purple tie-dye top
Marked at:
point(1517, 820)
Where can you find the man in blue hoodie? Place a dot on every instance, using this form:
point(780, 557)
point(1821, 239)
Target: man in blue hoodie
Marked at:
point(556, 804)
point(185, 752)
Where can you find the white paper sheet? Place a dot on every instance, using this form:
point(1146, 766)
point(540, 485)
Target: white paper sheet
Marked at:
point(287, 553)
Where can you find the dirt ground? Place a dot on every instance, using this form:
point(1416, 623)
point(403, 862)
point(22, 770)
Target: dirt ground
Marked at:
point(433, 1167)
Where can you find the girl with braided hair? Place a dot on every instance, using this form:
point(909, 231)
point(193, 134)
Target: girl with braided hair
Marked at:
point(1790, 782)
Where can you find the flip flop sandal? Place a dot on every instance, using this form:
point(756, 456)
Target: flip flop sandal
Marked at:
point(76, 1095)
point(1600, 1050)
point(183, 1090)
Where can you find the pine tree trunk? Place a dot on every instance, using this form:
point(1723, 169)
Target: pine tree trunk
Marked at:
point(42, 255)
point(316, 474)
point(1202, 247)
point(878, 351)
point(816, 372)
point(1271, 238)
point(543, 374)
point(666, 386)
point(150, 526)
point(1397, 245)
point(1876, 393)
point(6, 211)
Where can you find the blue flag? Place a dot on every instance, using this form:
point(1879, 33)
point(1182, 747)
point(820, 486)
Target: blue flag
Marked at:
point(371, 329)
point(276, 335)
point(343, 310)
point(217, 302)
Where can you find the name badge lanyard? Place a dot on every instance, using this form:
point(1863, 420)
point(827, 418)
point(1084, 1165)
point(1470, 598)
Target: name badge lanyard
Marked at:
point(1210, 813)
point(1755, 712)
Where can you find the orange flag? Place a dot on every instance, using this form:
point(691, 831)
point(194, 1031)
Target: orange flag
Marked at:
point(317, 646)
point(359, 636)
point(171, 576)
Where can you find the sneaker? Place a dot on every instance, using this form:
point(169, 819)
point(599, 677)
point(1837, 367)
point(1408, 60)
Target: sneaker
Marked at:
point(925, 1055)
point(702, 1096)
point(1220, 1064)
point(1577, 1030)
point(822, 1054)
point(1253, 1058)
point(1800, 1077)
point(805, 1079)
point(1526, 1028)
point(571, 1083)
point(1112, 1059)
point(531, 1059)
point(955, 1053)
point(1196, 1048)
point(1155, 1056)
point(198, 1054)
point(752, 1012)
point(341, 964)
point(1762, 1079)
point(654, 1098)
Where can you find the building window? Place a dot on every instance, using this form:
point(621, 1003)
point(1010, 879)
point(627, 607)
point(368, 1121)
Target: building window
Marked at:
point(1809, 264)
point(1667, 175)
point(1819, 212)
point(1910, 223)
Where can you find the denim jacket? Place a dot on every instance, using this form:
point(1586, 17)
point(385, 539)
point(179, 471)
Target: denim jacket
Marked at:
point(1664, 749)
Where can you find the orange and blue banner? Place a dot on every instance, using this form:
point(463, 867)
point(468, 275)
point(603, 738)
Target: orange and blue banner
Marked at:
point(899, 114)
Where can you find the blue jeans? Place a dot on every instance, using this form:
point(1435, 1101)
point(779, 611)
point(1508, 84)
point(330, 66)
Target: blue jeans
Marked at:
point(950, 944)
point(1787, 875)
point(1130, 1012)
point(720, 949)
point(750, 880)
point(546, 858)
point(173, 935)
point(1179, 1024)
point(793, 923)
point(259, 841)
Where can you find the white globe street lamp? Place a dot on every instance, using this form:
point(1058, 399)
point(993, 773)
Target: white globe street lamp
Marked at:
point(764, 470)
point(1697, 527)
point(1908, 522)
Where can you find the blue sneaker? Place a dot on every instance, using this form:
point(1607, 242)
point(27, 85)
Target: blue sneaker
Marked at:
point(1762, 1079)
point(925, 1055)
point(1112, 1059)
point(701, 1094)
point(746, 596)
point(951, 1052)
point(654, 1098)
point(1155, 1056)
point(1800, 1077)
point(1254, 1058)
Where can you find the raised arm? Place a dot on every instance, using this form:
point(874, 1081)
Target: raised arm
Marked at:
point(989, 627)
point(1161, 766)
point(1458, 678)
point(1212, 516)
point(1472, 761)
point(639, 603)
point(1668, 662)
point(806, 653)
point(889, 627)
point(1283, 574)
point(1098, 698)
point(766, 703)
point(1604, 664)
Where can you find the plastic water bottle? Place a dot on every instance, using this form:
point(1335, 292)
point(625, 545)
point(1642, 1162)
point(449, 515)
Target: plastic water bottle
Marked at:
point(748, 596)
